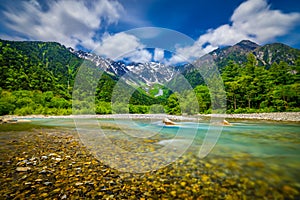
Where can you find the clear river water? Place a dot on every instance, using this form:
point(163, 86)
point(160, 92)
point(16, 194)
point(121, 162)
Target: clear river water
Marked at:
point(257, 159)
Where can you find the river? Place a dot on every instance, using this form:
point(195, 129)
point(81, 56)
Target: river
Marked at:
point(251, 159)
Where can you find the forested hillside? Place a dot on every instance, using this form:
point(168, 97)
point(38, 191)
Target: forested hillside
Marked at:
point(38, 78)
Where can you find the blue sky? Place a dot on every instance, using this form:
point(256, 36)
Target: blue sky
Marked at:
point(102, 25)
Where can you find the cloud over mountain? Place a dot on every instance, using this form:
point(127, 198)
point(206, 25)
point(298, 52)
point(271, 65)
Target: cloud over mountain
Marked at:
point(97, 25)
point(251, 20)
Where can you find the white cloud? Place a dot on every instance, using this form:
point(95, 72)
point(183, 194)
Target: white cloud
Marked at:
point(175, 59)
point(68, 22)
point(77, 22)
point(118, 45)
point(139, 56)
point(256, 19)
point(158, 54)
point(123, 45)
point(252, 20)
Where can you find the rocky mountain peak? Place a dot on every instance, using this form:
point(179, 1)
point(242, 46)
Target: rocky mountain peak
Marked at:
point(150, 73)
point(246, 45)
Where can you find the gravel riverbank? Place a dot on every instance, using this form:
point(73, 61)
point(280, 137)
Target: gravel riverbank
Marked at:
point(280, 116)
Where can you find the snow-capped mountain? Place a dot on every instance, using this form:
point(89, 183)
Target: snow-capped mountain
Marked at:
point(152, 72)
point(138, 74)
point(108, 65)
point(147, 74)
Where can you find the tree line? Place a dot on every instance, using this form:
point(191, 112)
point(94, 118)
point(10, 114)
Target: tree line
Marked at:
point(254, 88)
point(38, 78)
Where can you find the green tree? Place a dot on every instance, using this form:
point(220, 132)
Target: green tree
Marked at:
point(173, 106)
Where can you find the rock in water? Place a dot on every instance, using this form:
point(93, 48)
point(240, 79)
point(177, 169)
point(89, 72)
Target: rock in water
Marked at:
point(9, 120)
point(226, 123)
point(167, 121)
point(23, 169)
point(23, 120)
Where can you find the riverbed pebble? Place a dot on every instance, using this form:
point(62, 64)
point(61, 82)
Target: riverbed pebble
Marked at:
point(81, 175)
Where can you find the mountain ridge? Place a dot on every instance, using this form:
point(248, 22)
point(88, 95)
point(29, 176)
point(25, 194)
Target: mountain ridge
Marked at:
point(38, 77)
point(239, 52)
point(146, 75)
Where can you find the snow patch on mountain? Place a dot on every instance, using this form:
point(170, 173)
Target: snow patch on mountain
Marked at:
point(147, 73)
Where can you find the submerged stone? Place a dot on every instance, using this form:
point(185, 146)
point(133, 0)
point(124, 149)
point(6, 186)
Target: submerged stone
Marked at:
point(23, 169)
point(47, 183)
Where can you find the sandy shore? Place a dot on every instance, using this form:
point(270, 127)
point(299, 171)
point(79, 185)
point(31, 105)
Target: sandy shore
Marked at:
point(282, 116)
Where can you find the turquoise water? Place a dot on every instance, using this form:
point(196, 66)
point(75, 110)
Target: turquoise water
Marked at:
point(250, 160)
point(262, 139)
point(274, 144)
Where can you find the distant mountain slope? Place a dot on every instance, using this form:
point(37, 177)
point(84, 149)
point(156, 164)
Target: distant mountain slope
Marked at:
point(276, 52)
point(266, 55)
point(50, 66)
point(39, 63)
point(38, 77)
point(149, 74)
point(52, 54)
